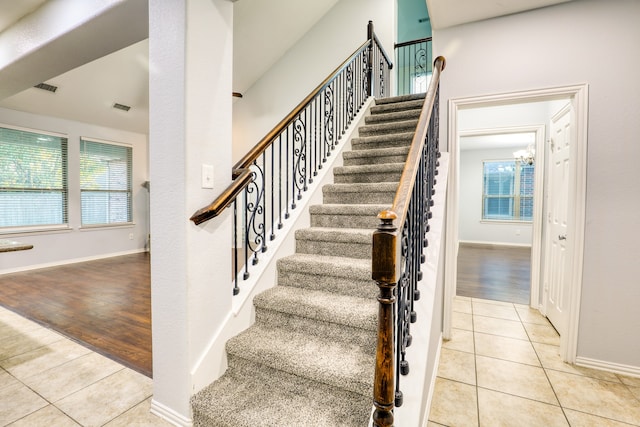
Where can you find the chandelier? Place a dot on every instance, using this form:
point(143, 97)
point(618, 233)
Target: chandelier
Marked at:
point(526, 156)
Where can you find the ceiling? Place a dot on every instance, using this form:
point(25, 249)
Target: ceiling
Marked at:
point(263, 32)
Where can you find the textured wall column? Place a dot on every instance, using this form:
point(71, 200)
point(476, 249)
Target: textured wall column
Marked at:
point(190, 51)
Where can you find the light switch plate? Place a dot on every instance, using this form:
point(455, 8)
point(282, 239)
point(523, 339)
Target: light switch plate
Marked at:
point(207, 176)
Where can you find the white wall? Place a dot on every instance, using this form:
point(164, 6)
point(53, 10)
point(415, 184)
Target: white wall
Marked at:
point(76, 244)
point(336, 36)
point(471, 228)
point(591, 42)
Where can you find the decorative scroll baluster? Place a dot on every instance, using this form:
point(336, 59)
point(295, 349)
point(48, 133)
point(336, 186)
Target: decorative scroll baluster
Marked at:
point(269, 188)
point(413, 60)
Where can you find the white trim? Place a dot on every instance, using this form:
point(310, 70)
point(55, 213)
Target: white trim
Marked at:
point(168, 414)
point(31, 130)
point(578, 188)
point(616, 368)
point(579, 95)
point(106, 141)
point(36, 229)
point(486, 243)
point(70, 261)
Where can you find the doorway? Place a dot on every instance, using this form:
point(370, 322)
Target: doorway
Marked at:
point(498, 197)
point(576, 96)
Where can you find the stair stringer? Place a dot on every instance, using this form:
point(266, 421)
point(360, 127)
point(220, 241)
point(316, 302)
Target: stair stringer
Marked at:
point(212, 362)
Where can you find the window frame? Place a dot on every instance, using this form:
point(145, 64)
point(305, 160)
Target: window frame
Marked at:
point(515, 195)
point(128, 191)
point(64, 189)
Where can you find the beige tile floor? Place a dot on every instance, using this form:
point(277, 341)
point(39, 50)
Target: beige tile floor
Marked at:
point(502, 367)
point(48, 380)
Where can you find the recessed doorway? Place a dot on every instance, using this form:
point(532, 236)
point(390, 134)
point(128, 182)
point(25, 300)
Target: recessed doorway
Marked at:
point(507, 110)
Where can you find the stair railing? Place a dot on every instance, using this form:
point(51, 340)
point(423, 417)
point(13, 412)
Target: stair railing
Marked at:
point(397, 254)
point(270, 179)
point(413, 66)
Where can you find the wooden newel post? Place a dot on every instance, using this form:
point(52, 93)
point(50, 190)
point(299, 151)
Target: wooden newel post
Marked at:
point(384, 273)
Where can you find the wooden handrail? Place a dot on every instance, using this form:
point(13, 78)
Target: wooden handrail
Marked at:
point(243, 179)
point(386, 263)
point(239, 169)
point(407, 179)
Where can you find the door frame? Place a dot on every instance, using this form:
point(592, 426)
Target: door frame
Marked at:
point(578, 94)
point(538, 193)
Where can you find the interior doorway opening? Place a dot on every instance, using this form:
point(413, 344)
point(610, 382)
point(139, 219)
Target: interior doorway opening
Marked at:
point(485, 115)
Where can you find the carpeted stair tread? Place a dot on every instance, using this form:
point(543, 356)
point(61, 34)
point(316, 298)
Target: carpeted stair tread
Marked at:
point(258, 398)
point(387, 172)
point(342, 235)
point(409, 114)
point(347, 242)
point(376, 156)
point(400, 98)
point(346, 216)
point(388, 128)
point(343, 365)
point(396, 106)
point(364, 193)
point(344, 276)
point(324, 306)
point(401, 139)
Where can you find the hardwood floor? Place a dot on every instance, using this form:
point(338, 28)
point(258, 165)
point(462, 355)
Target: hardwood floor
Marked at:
point(103, 304)
point(495, 273)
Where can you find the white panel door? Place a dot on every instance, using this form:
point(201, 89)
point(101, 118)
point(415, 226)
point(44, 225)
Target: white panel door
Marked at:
point(557, 259)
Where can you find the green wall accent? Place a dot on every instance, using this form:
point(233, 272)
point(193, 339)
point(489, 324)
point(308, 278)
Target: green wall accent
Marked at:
point(413, 20)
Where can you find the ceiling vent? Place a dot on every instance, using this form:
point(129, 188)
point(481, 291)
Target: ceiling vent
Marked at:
point(121, 107)
point(44, 86)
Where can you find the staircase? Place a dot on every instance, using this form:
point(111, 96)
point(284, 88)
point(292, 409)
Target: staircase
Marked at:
point(310, 356)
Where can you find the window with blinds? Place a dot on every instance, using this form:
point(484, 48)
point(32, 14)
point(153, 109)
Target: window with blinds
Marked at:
point(33, 179)
point(507, 191)
point(105, 183)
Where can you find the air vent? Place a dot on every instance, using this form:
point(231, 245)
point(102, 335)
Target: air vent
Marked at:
point(44, 86)
point(121, 107)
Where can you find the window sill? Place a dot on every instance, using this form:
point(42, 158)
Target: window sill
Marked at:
point(505, 221)
point(106, 226)
point(36, 230)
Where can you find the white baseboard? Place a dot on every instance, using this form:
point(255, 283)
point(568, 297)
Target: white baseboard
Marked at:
point(169, 415)
point(70, 261)
point(492, 244)
point(616, 368)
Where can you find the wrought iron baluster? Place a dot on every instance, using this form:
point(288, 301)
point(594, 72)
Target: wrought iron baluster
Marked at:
point(280, 225)
point(236, 288)
point(272, 195)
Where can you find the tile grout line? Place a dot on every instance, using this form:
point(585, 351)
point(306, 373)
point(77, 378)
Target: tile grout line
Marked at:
point(475, 360)
point(546, 375)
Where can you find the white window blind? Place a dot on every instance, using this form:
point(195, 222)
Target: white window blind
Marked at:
point(33, 179)
point(105, 183)
point(507, 191)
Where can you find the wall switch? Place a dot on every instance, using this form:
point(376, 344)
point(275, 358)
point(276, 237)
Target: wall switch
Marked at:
point(207, 176)
point(130, 236)
point(517, 232)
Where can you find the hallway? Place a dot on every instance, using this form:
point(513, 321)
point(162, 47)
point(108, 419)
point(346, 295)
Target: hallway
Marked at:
point(503, 368)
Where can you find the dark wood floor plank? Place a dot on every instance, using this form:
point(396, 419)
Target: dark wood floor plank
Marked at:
point(103, 304)
point(494, 272)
